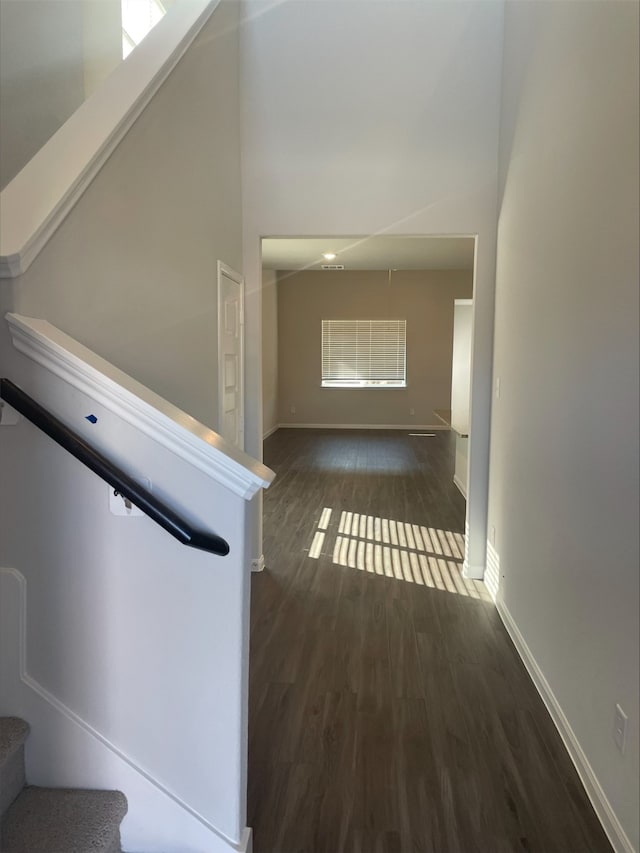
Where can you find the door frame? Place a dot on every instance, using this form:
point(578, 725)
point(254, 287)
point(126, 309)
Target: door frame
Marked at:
point(227, 271)
point(481, 384)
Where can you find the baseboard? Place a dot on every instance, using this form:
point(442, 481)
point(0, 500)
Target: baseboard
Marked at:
point(610, 823)
point(470, 572)
point(271, 431)
point(246, 841)
point(461, 486)
point(430, 427)
point(257, 565)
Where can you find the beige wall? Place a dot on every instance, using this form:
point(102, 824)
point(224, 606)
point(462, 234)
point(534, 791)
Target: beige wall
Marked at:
point(424, 299)
point(131, 272)
point(41, 76)
point(269, 351)
point(102, 25)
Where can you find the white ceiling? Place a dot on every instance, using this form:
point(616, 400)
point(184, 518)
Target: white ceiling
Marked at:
point(369, 253)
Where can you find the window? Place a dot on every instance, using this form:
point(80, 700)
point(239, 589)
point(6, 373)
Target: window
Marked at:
point(138, 17)
point(364, 353)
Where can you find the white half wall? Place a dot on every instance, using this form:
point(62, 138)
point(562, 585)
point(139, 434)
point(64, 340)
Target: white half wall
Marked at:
point(124, 649)
point(383, 119)
point(564, 451)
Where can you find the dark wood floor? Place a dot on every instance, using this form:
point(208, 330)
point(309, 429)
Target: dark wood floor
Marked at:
point(389, 710)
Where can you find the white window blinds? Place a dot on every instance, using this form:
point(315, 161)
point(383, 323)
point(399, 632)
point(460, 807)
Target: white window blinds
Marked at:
point(364, 353)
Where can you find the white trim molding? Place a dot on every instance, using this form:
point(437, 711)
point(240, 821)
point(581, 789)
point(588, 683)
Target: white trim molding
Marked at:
point(430, 427)
point(610, 823)
point(271, 431)
point(134, 403)
point(475, 573)
point(461, 486)
point(35, 202)
point(471, 571)
point(258, 564)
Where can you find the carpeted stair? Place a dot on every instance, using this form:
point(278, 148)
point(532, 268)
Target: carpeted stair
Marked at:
point(51, 820)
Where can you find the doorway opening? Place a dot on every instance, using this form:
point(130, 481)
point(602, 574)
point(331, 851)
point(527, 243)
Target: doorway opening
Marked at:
point(364, 613)
point(369, 333)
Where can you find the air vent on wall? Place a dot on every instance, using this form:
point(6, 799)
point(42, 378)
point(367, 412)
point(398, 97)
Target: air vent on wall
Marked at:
point(332, 266)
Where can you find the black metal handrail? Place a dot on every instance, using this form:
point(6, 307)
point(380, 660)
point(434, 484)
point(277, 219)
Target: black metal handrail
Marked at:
point(103, 467)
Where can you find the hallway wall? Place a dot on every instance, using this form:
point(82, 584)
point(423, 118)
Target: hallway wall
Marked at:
point(564, 458)
point(384, 122)
point(131, 272)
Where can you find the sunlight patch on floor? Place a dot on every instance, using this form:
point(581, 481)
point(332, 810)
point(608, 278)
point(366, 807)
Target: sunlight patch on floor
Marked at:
point(316, 546)
point(403, 534)
point(492, 573)
point(425, 556)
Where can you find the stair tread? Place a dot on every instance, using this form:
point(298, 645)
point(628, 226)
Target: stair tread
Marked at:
point(63, 820)
point(13, 733)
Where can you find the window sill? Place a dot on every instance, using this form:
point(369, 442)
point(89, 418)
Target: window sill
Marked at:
point(360, 387)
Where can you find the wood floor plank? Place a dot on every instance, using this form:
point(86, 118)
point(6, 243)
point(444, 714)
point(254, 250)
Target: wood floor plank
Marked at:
point(389, 710)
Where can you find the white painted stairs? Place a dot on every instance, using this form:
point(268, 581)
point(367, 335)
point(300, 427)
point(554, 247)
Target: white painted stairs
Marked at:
point(51, 820)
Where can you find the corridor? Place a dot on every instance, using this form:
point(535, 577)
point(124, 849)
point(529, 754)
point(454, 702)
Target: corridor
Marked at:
point(389, 711)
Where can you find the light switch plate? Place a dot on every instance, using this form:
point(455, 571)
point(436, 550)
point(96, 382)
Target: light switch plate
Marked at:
point(620, 728)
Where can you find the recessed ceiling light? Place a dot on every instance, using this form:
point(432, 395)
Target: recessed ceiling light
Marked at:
point(329, 256)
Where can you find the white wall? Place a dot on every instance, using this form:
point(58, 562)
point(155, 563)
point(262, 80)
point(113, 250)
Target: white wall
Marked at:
point(367, 120)
point(564, 463)
point(269, 351)
point(131, 272)
point(134, 653)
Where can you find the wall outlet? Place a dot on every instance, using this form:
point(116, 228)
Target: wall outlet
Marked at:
point(497, 387)
point(292, 410)
point(412, 411)
point(492, 535)
point(620, 728)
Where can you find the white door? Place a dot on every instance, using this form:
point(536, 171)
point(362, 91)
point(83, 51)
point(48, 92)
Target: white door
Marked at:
point(231, 355)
